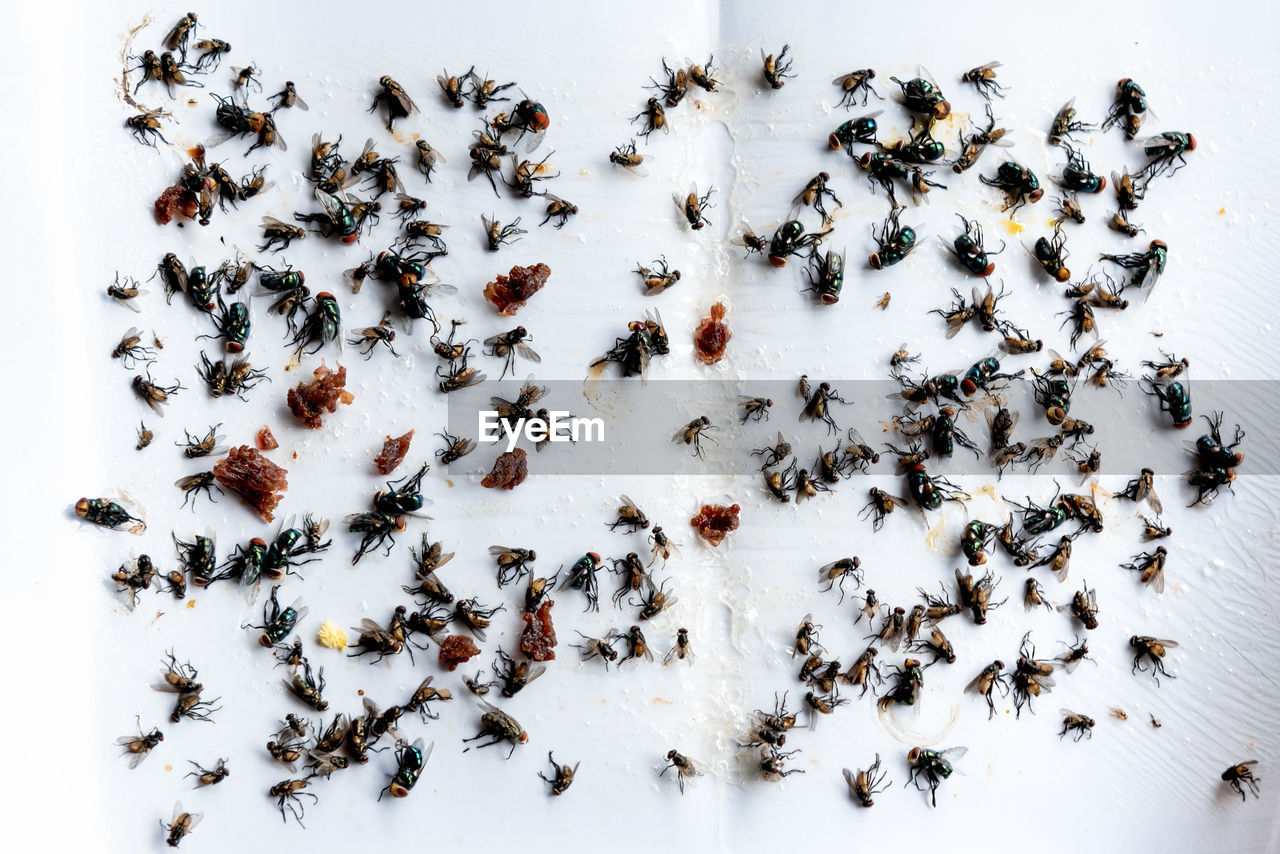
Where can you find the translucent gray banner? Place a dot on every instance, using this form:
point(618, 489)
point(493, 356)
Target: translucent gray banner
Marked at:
point(626, 426)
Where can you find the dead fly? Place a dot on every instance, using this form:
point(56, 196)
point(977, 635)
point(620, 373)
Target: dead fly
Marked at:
point(562, 775)
point(685, 768)
point(776, 69)
point(513, 563)
point(893, 241)
point(474, 616)
point(756, 408)
point(1073, 722)
point(131, 349)
point(486, 157)
point(1150, 567)
point(1153, 529)
point(1068, 208)
point(1119, 713)
point(1041, 451)
point(1120, 223)
point(1083, 606)
point(399, 104)
point(1242, 774)
point(976, 595)
point(454, 449)
point(806, 638)
point(146, 126)
point(482, 90)
point(455, 87)
point(1163, 150)
point(631, 516)
point(694, 433)
point(172, 75)
point(651, 118)
point(138, 747)
point(972, 146)
point(558, 208)
point(1149, 650)
point(234, 379)
point(1074, 655)
point(450, 349)
point(124, 293)
point(1065, 124)
point(425, 694)
point(1031, 678)
point(154, 395)
point(654, 599)
point(191, 706)
point(839, 571)
point(636, 645)
point(371, 336)
point(694, 207)
point(906, 689)
point(938, 645)
point(372, 637)
point(1129, 191)
point(662, 546)
point(983, 79)
point(601, 648)
point(149, 65)
point(498, 726)
point(813, 194)
point(508, 345)
point(626, 157)
point(657, 278)
point(890, 631)
point(682, 649)
point(182, 823)
point(208, 777)
point(1058, 560)
point(986, 683)
point(277, 232)
point(880, 506)
point(771, 763)
point(514, 677)
point(774, 455)
point(818, 401)
point(958, 315)
point(1142, 488)
point(248, 79)
point(499, 235)
point(288, 795)
point(673, 87)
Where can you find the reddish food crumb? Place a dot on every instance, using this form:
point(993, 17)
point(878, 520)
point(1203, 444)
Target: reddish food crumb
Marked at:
point(322, 394)
point(538, 640)
point(393, 451)
point(457, 649)
point(511, 291)
point(712, 336)
point(257, 480)
point(266, 441)
point(715, 521)
point(509, 470)
point(176, 200)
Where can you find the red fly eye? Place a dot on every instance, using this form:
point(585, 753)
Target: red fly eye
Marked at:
point(1063, 274)
point(1035, 195)
point(989, 269)
point(1191, 142)
point(874, 259)
point(1102, 185)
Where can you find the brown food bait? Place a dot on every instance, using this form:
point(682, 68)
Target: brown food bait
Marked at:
point(538, 640)
point(258, 481)
point(510, 292)
point(266, 441)
point(712, 336)
point(457, 649)
point(323, 394)
point(715, 521)
point(176, 201)
point(393, 451)
point(509, 470)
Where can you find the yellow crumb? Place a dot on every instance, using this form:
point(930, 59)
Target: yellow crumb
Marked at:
point(191, 603)
point(1012, 227)
point(331, 635)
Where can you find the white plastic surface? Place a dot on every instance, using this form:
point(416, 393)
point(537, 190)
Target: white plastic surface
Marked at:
point(79, 209)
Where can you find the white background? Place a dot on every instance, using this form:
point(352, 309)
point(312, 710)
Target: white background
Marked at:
point(79, 209)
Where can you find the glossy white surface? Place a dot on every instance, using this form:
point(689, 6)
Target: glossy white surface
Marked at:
point(80, 209)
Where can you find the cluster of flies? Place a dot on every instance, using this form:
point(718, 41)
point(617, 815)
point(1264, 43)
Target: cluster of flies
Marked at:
point(314, 322)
